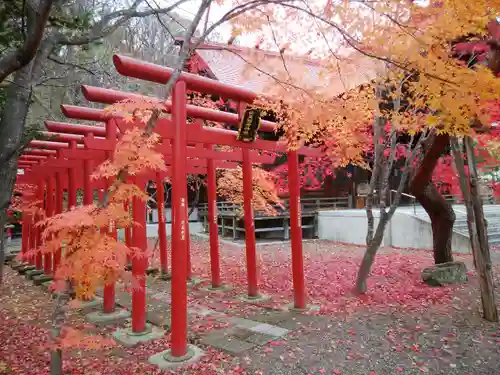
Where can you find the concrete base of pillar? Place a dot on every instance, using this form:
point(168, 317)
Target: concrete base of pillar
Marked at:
point(126, 337)
point(194, 281)
point(30, 274)
point(15, 265)
point(28, 267)
point(100, 317)
point(165, 361)
point(308, 308)
point(40, 279)
point(220, 289)
point(93, 303)
point(254, 299)
point(10, 257)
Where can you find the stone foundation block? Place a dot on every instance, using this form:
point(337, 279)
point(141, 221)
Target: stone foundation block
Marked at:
point(165, 360)
point(125, 336)
point(100, 317)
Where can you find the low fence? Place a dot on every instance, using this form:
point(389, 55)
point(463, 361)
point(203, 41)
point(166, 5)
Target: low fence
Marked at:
point(232, 222)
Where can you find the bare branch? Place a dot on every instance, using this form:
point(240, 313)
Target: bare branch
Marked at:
point(78, 66)
point(105, 26)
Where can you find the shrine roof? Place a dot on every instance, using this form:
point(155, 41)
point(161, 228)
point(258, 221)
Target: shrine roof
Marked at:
point(256, 69)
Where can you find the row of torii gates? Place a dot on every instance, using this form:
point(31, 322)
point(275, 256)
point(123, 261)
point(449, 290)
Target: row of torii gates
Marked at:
point(66, 162)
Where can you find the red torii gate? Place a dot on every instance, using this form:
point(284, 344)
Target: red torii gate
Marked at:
point(177, 131)
point(97, 149)
point(52, 177)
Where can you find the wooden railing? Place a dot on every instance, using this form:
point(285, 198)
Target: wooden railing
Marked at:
point(307, 205)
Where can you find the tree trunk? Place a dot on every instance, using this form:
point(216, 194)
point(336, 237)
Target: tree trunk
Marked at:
point(12, 125)
point(11, 130)
point(371, 251)
point(439, 210)
point(483, 257)
point(464, 186)
point(58, 319)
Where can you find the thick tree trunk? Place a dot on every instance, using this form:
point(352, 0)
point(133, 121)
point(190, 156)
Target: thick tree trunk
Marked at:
point(439, 210)
point(11, 132)
point(13, 119)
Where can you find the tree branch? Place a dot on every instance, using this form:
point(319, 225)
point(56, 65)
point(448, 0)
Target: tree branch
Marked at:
point(24, 54)
point(78, 66)
point(103, 27)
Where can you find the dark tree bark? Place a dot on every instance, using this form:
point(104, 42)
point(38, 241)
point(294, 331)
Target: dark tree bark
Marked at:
point(22, 56)
point(12, 122)
point(439, 210)
point(11, 131)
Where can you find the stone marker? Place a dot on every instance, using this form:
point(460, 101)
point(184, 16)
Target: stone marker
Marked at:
point(445, 274)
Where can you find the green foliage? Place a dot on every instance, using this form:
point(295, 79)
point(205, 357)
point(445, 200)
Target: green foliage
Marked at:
point(11, 23)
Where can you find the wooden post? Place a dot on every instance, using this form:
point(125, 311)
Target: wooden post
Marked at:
point(482, 253)
point(464, 186)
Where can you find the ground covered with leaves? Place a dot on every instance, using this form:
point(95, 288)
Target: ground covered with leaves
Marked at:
point(400, 326)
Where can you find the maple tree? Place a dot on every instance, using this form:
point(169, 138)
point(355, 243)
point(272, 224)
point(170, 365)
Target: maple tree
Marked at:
point(417, 82)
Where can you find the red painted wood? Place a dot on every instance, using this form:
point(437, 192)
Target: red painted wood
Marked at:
point(212, 224)
point(296, 229)
point(179, 203)
point(51, 145)
point(251, 246)
point(62, 137)
point(84, 113)
point(38, 230)
point(69, 128)
point(139, 264)
point(32, 157)
point(86, 154)
point(88, 188)
point(162, 230)
point(49, 211)
point(109, 96)
point(108, 303)
point(131, 67)
point(58, 210)
point(41, 152)
point(32, 243)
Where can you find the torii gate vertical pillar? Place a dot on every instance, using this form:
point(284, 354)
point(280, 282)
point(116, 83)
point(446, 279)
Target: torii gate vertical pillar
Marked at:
point(212, 225)
point(32, 242)
point(179, 244)
point(250, 245)
point(47, 261)
point(296, 227)
point(251, 248)
point(58, 210)
point(39, 230)
point(139, 264)
point(109, 289)
point(140, 332)
point(88, 188)
point(25, 240)
point(162, 229)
